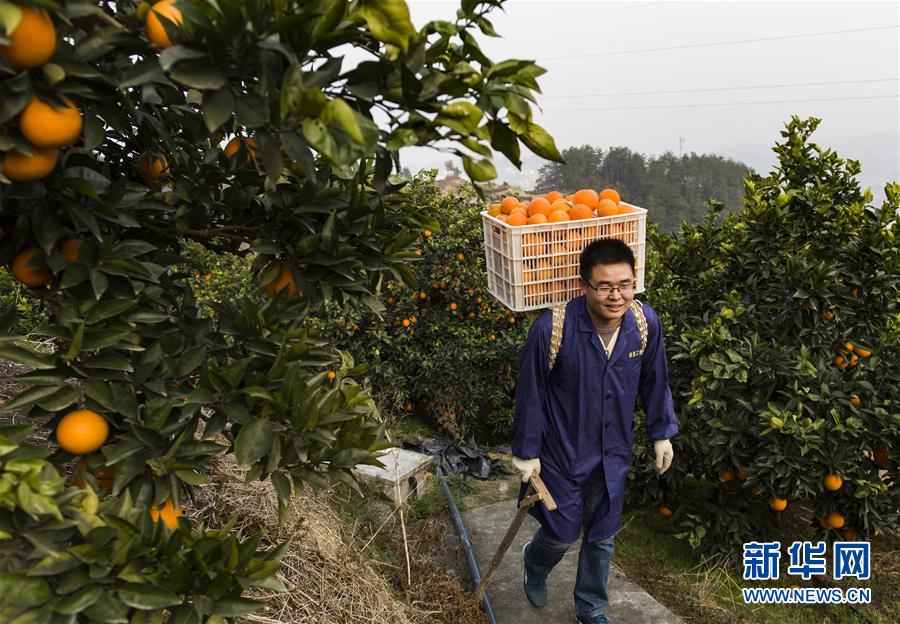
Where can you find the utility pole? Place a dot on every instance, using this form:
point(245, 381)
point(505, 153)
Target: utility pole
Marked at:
point(680, 147)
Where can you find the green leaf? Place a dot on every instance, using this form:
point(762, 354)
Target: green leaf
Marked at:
point(22, 591)
point(253, 442)
point(540, 142)
point(59, 400)
point(36, 505)
point(251, 110)
point(271, 156)
point(235, 606)
point(51, 566)
point(75, 347)
point(142, 72)
point(479, 170)
point(147, 596)
point(282, 487)
point(27, 357)
point(338, 112)
point(78, 601)
point(170, 56)
point(191, 477)
point(29, 396)
point(46, 225)
point(389, 21)
point(217, 108)
point(199, 75)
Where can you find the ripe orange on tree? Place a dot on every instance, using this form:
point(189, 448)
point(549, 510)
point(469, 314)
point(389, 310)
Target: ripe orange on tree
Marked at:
point(235, 144)
point(32, 41)
point(832, 482)
point(588, 197)
point(27, 267)
point(862, 351)
point(778, 504)
point(855, 400)
point(828, 315)
point(152, 166)
point(665, 511)
point(727, 475)
point(168, 513)
point(104, 476)
point(742, 474)
point(834, 520)
point(610, 194)
point(21, 167)
point(284, 279)
point(71, 249)
point(331, 375)
point(82, 431)
point(156, 32)
point(46, 125)
point(840, 361)
point(881, 456)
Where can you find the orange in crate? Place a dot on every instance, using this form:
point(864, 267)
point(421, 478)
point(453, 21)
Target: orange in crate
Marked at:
point(607, 208)
point(539, 205)
point(533, 244)
point(552, 196)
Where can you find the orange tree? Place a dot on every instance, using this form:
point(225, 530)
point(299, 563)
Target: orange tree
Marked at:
point(128, 131)
point(785, 360)
point(444, 349)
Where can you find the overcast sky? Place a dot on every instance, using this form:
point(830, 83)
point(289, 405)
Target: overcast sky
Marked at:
point(671, 76)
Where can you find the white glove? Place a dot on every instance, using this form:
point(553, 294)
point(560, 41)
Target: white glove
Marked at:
point(664, 455)
point(527, 467)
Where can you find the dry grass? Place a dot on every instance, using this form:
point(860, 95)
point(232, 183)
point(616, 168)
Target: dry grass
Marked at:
point(327, 581)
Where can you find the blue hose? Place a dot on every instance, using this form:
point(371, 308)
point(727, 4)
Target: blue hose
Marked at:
point(467, 545)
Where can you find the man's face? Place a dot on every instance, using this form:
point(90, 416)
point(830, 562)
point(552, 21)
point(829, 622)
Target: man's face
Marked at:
point(610, 307)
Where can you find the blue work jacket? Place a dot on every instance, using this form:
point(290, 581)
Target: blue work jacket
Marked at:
point(577, 418)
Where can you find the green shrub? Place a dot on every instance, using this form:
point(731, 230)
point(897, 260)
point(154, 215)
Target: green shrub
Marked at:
point(758, 313)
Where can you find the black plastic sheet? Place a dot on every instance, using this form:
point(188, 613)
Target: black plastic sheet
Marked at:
point(459, 459)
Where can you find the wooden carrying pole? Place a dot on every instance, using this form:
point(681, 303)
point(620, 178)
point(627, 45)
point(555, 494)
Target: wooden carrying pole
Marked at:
point(537, 491)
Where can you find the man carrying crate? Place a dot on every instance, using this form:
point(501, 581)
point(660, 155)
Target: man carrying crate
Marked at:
point(583, 365)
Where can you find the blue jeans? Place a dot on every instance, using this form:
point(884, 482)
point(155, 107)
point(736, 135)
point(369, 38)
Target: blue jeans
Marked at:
point(593, 560)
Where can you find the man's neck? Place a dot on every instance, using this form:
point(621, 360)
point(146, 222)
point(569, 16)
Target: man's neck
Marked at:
point(601, 323)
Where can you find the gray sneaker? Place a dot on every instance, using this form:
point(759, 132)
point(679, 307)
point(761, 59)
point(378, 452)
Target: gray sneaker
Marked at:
point(535, 591)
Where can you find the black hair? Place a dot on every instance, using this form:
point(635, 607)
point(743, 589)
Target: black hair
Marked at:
point(605, 251)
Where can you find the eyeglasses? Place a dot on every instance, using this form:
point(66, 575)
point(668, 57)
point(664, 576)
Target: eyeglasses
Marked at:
point(605, 290)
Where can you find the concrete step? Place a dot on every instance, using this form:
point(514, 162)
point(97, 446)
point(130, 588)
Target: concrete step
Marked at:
point(629, 604)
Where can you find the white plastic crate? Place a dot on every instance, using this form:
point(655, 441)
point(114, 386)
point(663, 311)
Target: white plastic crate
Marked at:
point(534, 266)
